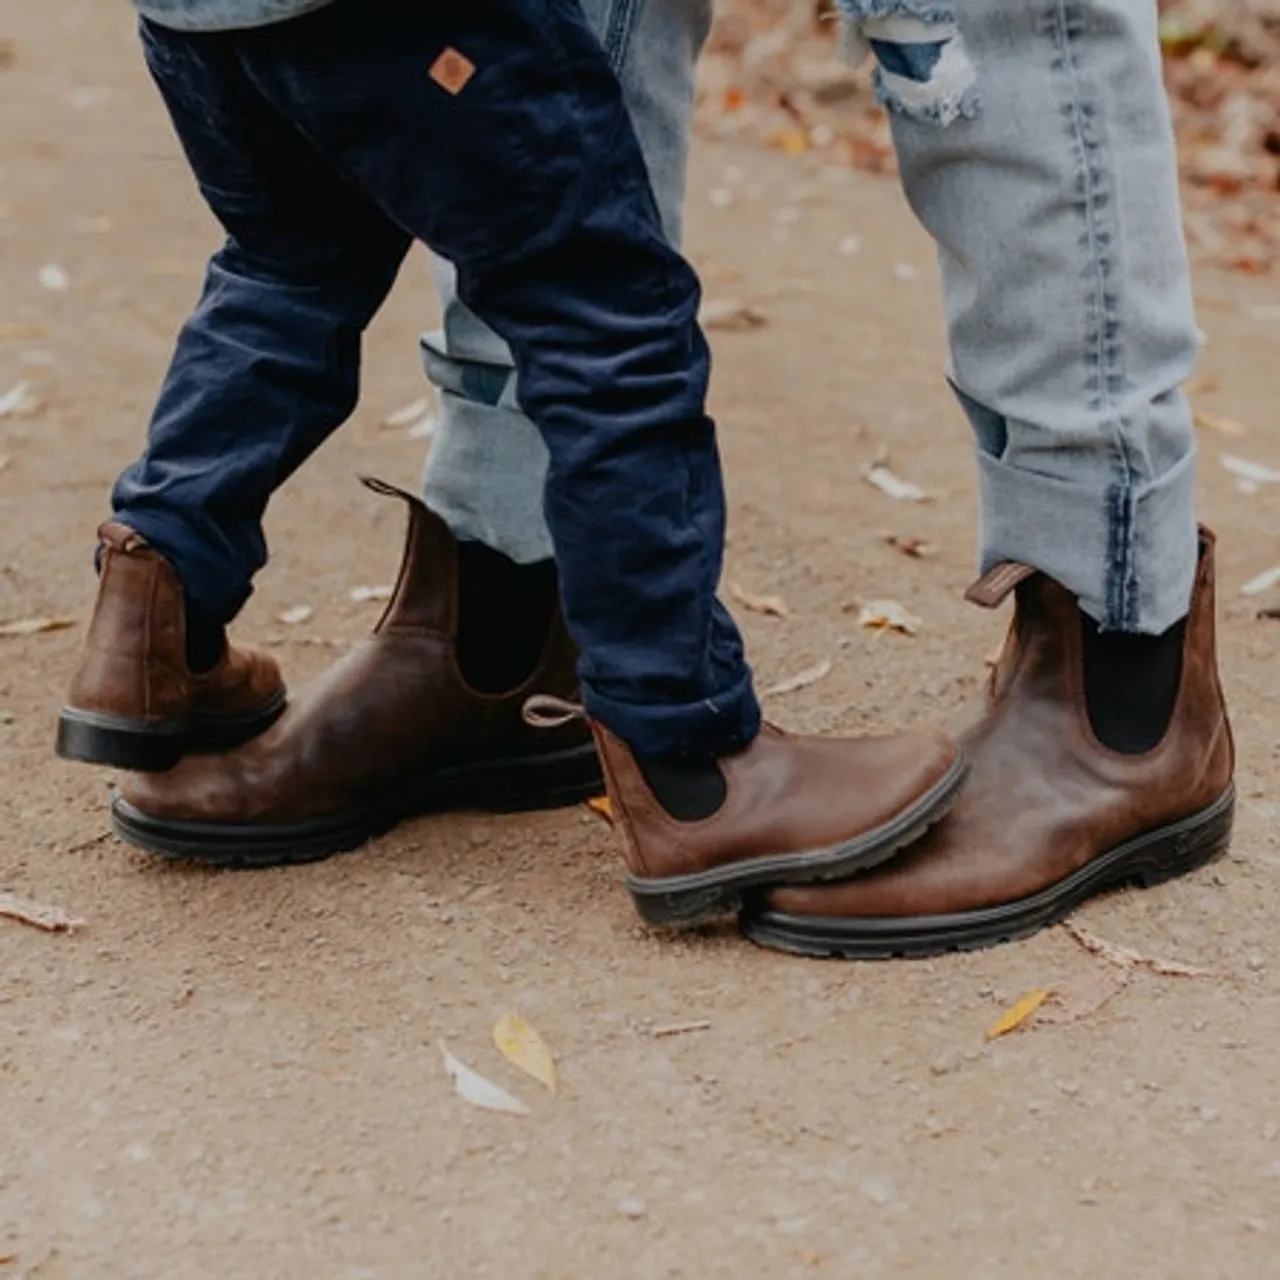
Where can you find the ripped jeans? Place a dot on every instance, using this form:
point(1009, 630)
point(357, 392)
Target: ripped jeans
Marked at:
point(1035, 146)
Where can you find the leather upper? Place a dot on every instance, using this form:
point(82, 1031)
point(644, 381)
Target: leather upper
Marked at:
point(1044, 797)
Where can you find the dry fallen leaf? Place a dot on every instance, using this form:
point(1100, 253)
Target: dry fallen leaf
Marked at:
point(888, 615)
point(1127, 958)
point(771, 606)
point(792, 142)
point(878, 474)
point(1207, 421)
point(1079, 1000)
point(520, 1043)
point(1021, 1013)
point(1262, 583)
point(5, 460)
point(8, 52)
point(801, 680)
point(603, 806)
point(681, 1029)
point(1253, 472)
point(363, 595)
point(37, 915)
point(916, 548)
point(1202, 386)
point(20, 401)
point(472, 1087)
point(732, 315)
point(34, 626)
point(408, 416)
point(54, 278)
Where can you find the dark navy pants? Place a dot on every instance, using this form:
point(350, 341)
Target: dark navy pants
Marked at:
point(325, 147)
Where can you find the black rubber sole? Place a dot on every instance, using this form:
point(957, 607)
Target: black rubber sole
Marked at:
point(90, 737)
point(1150, 859)
point(547, 781)
point(684, 901)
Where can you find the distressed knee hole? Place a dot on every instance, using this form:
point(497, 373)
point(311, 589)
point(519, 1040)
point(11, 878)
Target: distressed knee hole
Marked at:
point(922, 68)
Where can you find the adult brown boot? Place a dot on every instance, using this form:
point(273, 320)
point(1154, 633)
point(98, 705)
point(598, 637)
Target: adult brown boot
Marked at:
point(135, 703)
point(1050, 816)
point(392, 730)
point(794, 810)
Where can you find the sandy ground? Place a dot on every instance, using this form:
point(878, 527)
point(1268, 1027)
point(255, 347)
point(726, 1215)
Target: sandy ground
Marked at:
point(226, 1076)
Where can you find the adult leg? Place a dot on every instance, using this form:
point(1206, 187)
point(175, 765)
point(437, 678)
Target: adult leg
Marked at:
point(1036, 146)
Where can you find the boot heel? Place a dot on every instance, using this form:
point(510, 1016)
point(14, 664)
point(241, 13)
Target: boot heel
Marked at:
point(1193, 843)
point(117, 743)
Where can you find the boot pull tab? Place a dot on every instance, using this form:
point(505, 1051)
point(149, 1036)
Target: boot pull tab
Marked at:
point(994, 587)
point(426, 591)
point(543, 711)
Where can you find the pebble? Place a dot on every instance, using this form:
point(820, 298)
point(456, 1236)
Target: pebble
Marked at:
point(632, 1207)
point(947, 1064)
point(1256, 963)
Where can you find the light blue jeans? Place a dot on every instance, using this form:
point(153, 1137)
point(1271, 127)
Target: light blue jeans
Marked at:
point(1035, 145)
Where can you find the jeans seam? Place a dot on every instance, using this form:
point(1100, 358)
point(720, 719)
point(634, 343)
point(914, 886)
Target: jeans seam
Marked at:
point(624, 15)
point(1103, 328)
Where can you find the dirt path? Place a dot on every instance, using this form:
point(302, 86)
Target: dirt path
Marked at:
point(237, 1076)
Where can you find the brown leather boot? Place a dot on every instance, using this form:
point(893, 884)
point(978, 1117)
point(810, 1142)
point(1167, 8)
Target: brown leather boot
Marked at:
point(134, 703)
point(796, 810)
point(1050, 817)
point(392, 730)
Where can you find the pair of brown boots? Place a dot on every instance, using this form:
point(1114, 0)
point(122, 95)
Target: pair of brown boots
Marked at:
point(910, 844)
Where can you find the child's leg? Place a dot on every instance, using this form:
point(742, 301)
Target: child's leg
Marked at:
point(514, 157)
point(268, 365)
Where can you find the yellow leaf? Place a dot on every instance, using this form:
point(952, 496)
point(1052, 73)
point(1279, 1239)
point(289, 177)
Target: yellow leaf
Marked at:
point(519, 1043)
point(35, 626)
point(794, 142)
point(603, 806)
point(1023, 1011)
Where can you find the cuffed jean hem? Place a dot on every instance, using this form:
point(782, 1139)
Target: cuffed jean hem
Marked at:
point(209, 581)
point(484, 475)
point(1128, 554)
point(709, 729)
